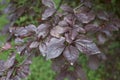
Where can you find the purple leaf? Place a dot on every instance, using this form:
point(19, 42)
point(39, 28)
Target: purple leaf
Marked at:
point(86, 17)
point(80, 29)
point(80, 73)
point(74, 33)
point(48, 3)
point(71, 53)
point(43, 48)
point(103, 15)
point(66, 8)
point(68, 38)
point(58, 64)
point(55, 47)
point(86, 45)
point(92, 27)
point(19, 41)
point(93, 62)
point(20, 31)
point(31, 28)
point(48, 13)
point(43, 30)
point(58, 30)
point(34, 44)
point(10, 62)
point(101, 39)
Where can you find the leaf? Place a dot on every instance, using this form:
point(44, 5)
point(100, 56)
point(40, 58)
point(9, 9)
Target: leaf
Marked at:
point(61, 75)
point(71, 53)
point(88, 3)
point(86, 17)
point(63, 23)
point(48, 13)
point(93, 62)
point(101, 39)
point(86, 45)
point(20, 31)
point(58, 64)
point(34, 44)
point(55, 47)
point(19, 41)
point(43, 48)
point(74, 33)
point(79, 29)
point(43, 30)
point(66, 8)
point(31, 28)
point(103, 15)
point(48, 3)
point(10, 62)
point(9, 73)
point(58, 30)
point(24, 69)
point(68, 38)
point(92, 27)
point(2, 68)
point(7, 46)
point(71, 76)
point(20, 48)
point(80, 73)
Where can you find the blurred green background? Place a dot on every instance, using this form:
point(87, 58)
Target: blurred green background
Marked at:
point(41, 69)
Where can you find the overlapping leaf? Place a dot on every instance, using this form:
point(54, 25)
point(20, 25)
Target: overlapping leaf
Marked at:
point(55, 47)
